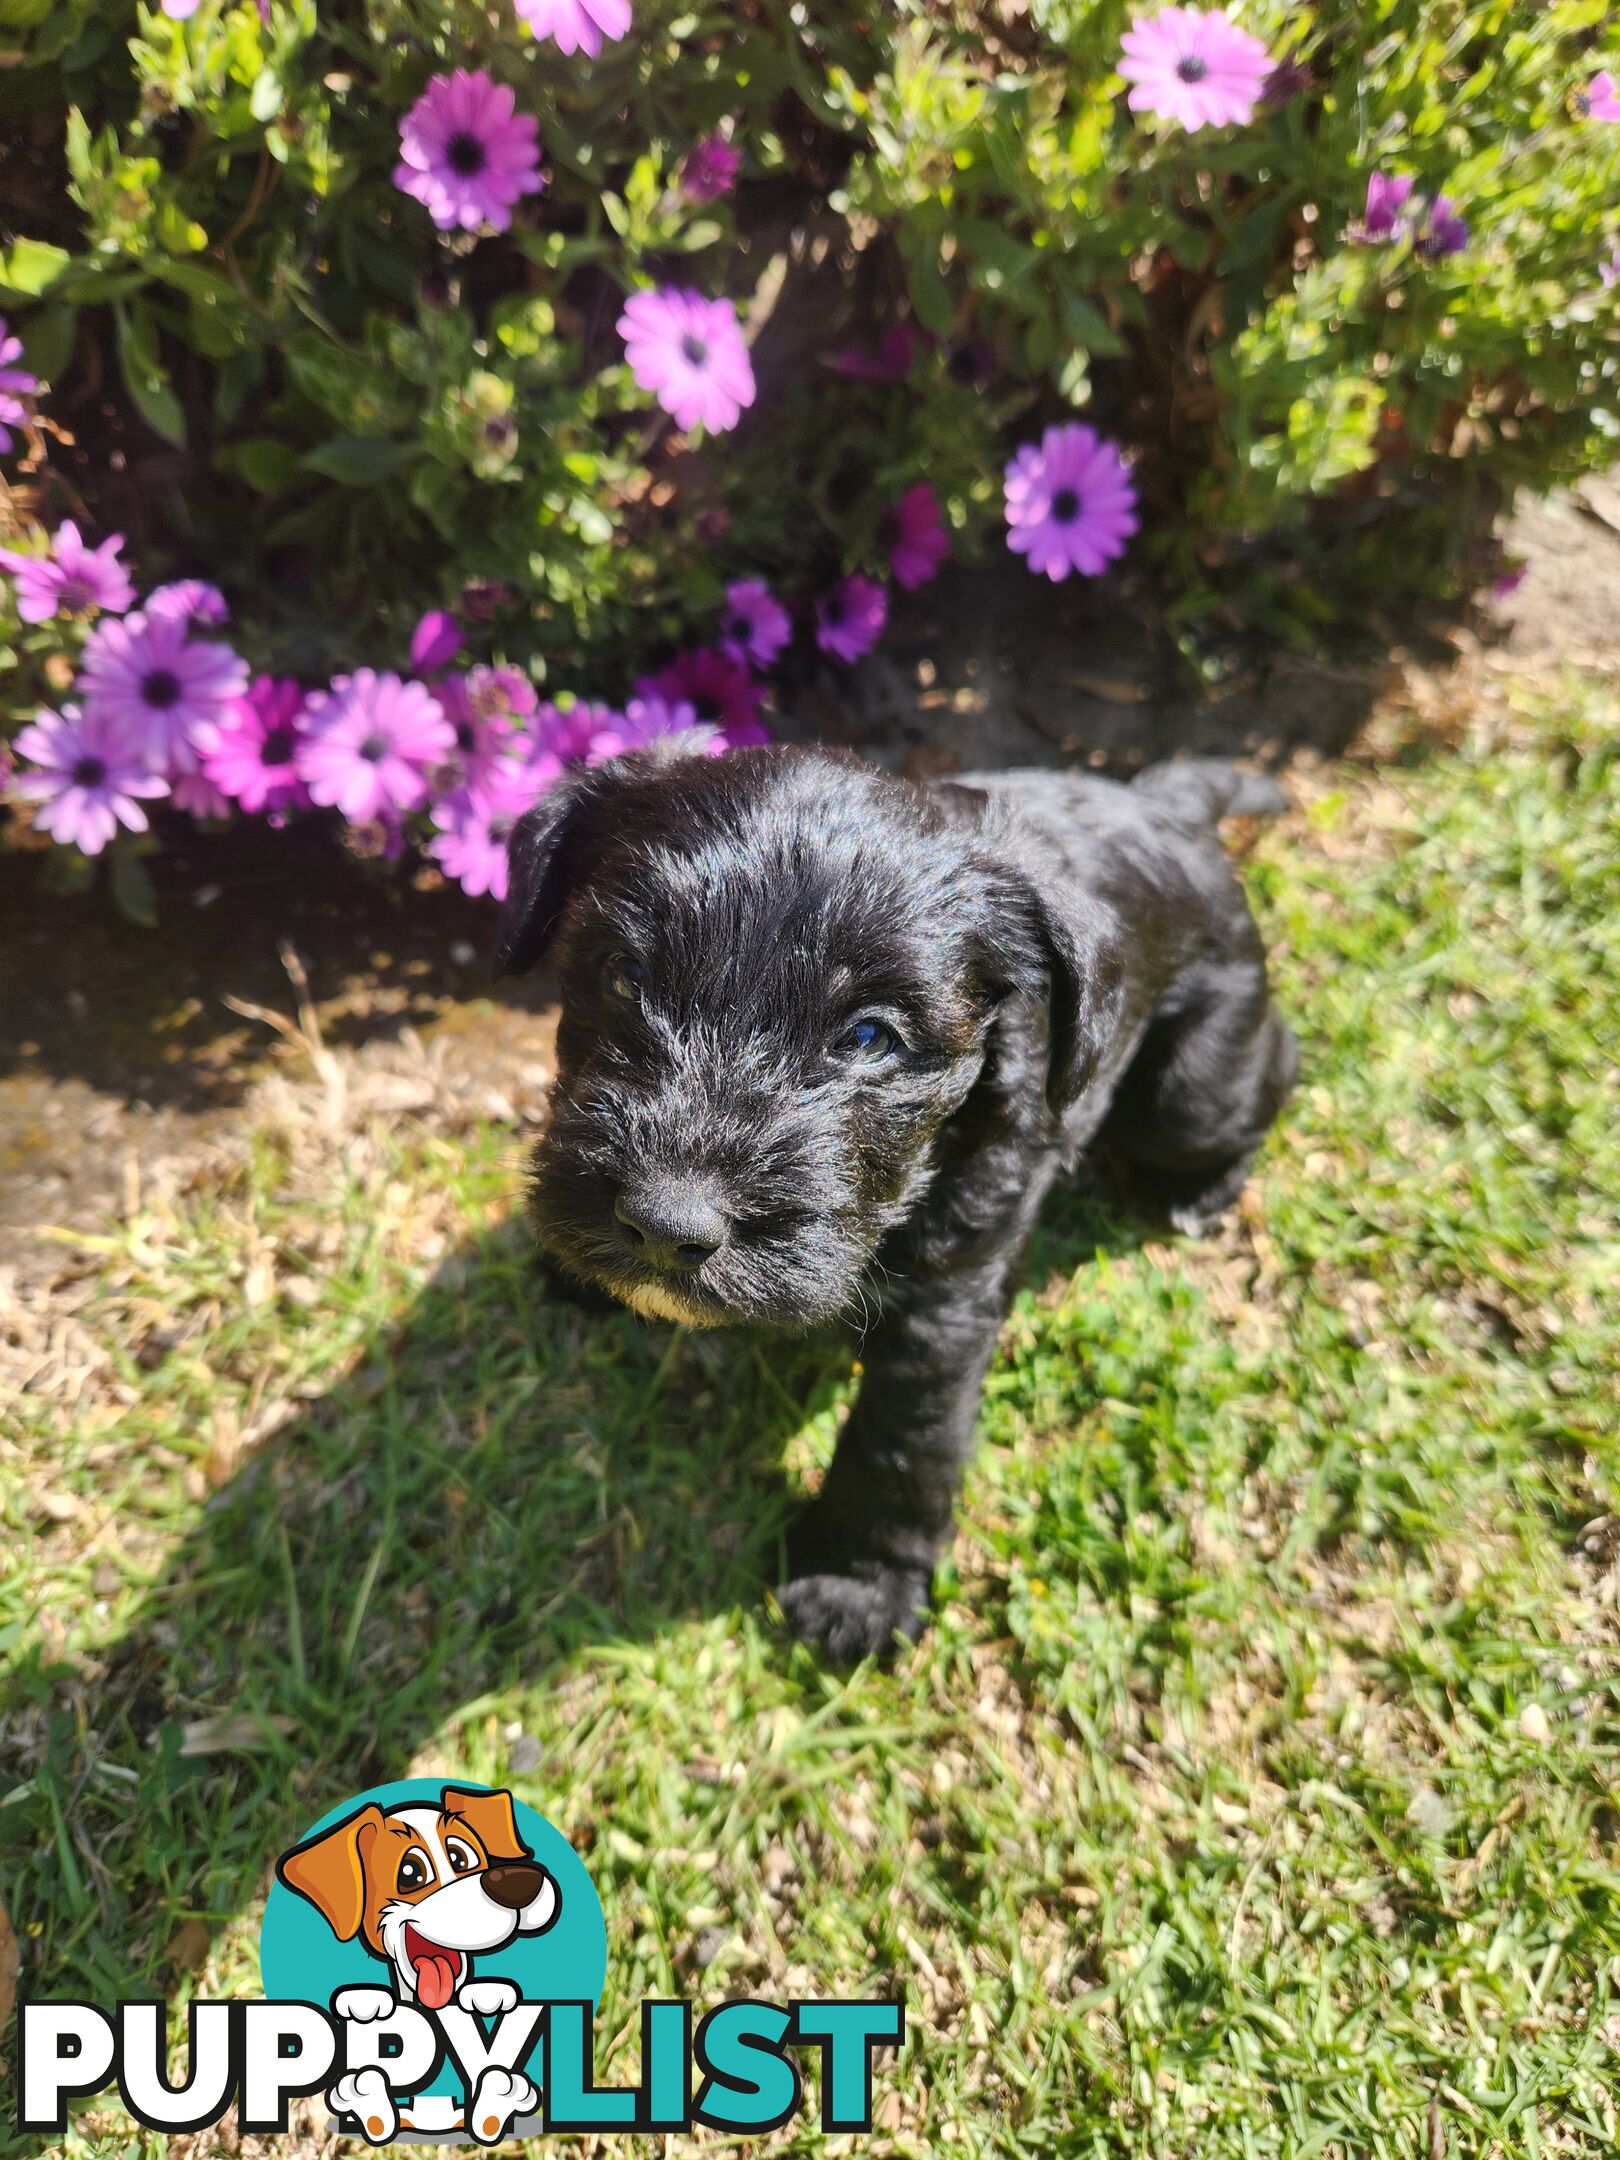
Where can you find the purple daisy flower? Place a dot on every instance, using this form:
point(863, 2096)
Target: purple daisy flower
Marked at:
point(181, 10)
point(476, 822)
point(850, 618)
point(72, 579)
point(754, 627)
point(484, 718)
point(146, 675)
point(467, 153)
point(502, 695)
point(15, 384)
point(648, 718)
point(91, 778)
point(709, 169)
point(891, 363)
point(1387, 197)
point(371, 743)
point(1197, 68)
point(1071, 503)
point(1609, 270)
point(1599, 100)
point(251, 755)
point(190, 600)
point(576, 25)
point(917, 540)
point(719, 690)
point(1439, 230)
point(435, 641)
point(689, 353)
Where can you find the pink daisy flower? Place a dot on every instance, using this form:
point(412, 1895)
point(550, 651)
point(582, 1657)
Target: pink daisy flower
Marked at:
point(481, 712)
point(578, 733)
point(196, 794)
point(917, 541)
point(190, 600)
point(1071, 503)
point(1599, 100)
point(251, 755)
point(576, 25)
point(850, 618)
point(371, 742)
point(72, 579)
point(1193, 67)
point(709, 169)
point(689, 353)
point(91, 778)
point(15, 384)
point(435, 641)
point(754, 627)
point(720, 690)
point(145, 674)
point(1609, 271)
point(476, 822)
point(467, 153)
point(502, 695)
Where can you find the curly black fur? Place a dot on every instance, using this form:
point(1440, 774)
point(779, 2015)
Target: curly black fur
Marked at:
point(1047, 960)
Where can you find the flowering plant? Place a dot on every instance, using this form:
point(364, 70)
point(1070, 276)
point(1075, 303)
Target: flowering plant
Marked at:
point(496, 361)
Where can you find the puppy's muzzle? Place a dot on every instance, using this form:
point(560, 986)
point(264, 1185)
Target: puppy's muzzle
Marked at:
point(671, 1222)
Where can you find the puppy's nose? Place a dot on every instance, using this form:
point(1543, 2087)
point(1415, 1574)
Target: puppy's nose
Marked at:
point(514, 1884)
point(674, 1222)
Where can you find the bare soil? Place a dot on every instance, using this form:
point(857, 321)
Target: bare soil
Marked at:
point(124, 1056)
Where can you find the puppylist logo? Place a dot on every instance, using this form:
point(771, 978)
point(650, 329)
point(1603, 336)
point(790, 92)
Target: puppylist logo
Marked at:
point(432, 1956)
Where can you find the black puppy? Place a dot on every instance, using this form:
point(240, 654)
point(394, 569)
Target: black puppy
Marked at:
point(826, 1039)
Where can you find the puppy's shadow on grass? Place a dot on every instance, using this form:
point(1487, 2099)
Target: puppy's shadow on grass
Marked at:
point(501, 1482)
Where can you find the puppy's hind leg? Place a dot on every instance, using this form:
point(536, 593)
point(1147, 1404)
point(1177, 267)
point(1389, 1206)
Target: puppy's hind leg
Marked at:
point(1199, 1097)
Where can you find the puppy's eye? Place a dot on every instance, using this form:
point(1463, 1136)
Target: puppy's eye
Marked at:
point(414, 1872)
point(462, 1857)
point(625, 977)
point(867, 1042)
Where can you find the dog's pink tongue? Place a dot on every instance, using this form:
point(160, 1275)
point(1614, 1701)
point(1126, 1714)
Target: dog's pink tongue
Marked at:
point(436, 1978)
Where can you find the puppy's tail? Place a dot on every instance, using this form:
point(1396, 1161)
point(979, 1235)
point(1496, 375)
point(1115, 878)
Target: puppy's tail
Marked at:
point(1201, 791)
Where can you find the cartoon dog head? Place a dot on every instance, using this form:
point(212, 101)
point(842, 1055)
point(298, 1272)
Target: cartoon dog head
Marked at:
point(426, 1887)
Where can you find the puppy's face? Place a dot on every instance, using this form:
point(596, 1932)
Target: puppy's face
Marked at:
point(775, 992)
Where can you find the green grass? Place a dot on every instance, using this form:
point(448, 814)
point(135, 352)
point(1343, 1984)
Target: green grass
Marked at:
point(1254, 1791)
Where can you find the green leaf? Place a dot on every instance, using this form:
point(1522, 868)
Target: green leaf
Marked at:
point(264, 462)
point(145, 377)
point(132, 889)
point(48, 340)
point(30, 267)
point(360, 460)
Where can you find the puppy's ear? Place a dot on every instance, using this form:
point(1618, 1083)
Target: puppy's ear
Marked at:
point(330, 1870)
point(490, 1818)
point(544, 859)
point(1049, 945)
point(1085, 976)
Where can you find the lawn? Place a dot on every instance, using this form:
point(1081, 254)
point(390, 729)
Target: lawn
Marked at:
point(1254, 1790)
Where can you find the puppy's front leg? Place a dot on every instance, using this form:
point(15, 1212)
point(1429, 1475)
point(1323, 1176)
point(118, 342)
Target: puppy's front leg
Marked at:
point(861, 1556)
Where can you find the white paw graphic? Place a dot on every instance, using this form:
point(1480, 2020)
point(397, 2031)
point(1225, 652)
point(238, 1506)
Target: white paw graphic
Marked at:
point(364, 2094)
point(488, 1998)
point(362, 2004)
point(498, 2099)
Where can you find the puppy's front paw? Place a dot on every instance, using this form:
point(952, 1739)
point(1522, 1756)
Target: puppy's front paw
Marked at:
point(502, 2096)
point(858, 1612)
point(364, 2094)
point(488, 1998)
point(364, 2005)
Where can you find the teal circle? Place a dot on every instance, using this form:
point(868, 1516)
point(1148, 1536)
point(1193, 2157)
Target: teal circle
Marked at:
point(301, 1960)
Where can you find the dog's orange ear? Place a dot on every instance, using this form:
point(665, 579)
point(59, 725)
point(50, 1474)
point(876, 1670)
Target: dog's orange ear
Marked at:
point(330, 1870)
point(491, 1820)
